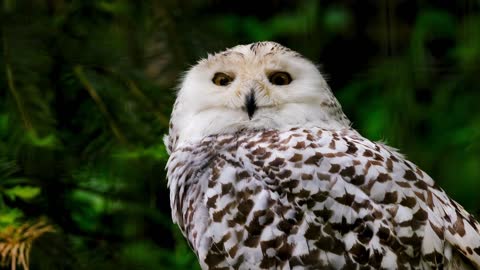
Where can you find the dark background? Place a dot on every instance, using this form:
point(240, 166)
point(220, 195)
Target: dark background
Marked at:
point(86, 89)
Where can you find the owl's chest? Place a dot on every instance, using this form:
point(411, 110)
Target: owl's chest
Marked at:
point(264, 222)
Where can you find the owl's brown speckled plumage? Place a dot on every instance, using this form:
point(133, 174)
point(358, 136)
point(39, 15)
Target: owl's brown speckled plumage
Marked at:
point(313, 197)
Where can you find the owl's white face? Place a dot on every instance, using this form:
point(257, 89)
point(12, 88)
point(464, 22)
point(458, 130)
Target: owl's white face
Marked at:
point(256, 86)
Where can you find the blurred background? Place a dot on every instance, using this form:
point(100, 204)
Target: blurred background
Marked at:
point(86, 89)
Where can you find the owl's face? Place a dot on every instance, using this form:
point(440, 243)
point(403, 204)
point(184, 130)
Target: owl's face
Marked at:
point(256, 86)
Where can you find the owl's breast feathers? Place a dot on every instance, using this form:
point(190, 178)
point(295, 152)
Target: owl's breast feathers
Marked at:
point(314, 198)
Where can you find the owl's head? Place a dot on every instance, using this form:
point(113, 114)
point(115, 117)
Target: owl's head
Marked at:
point(261, 85)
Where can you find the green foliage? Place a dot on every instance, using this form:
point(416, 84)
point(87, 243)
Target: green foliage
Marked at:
point(86, 89)
point(22, 192)
point(9, 216)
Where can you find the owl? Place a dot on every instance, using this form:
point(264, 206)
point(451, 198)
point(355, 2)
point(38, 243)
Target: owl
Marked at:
point(266, 172)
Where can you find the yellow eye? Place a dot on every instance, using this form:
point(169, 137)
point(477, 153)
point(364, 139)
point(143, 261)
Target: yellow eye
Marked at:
point(221, 79)
point(280, 78)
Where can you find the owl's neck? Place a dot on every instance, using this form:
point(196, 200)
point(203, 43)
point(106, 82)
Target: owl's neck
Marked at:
point(194, 127)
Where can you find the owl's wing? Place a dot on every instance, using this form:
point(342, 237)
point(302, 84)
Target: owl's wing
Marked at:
point(347, 181)
point(461, 230)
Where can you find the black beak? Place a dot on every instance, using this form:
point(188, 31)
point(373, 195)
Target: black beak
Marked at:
point(250, 104)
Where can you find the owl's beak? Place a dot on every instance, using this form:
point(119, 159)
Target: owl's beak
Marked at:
point(250, 104)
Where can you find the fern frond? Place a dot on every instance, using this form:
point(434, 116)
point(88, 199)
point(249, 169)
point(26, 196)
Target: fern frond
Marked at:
point(16, 242)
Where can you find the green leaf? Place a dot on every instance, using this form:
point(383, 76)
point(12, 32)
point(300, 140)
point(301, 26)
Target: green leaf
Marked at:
point(49, 141)
point(116, 8)
point(337, 19)
point(23, 192)
point(96, 202)
point(155, 152)
point(9, 216)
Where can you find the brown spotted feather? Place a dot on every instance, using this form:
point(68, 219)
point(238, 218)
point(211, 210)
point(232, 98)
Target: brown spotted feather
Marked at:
point(314, 199)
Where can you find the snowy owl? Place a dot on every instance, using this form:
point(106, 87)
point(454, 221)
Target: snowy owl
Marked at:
point(266, 172)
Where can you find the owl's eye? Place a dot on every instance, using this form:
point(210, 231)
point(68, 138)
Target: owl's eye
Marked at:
point(221, 79)
point(280, 78)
